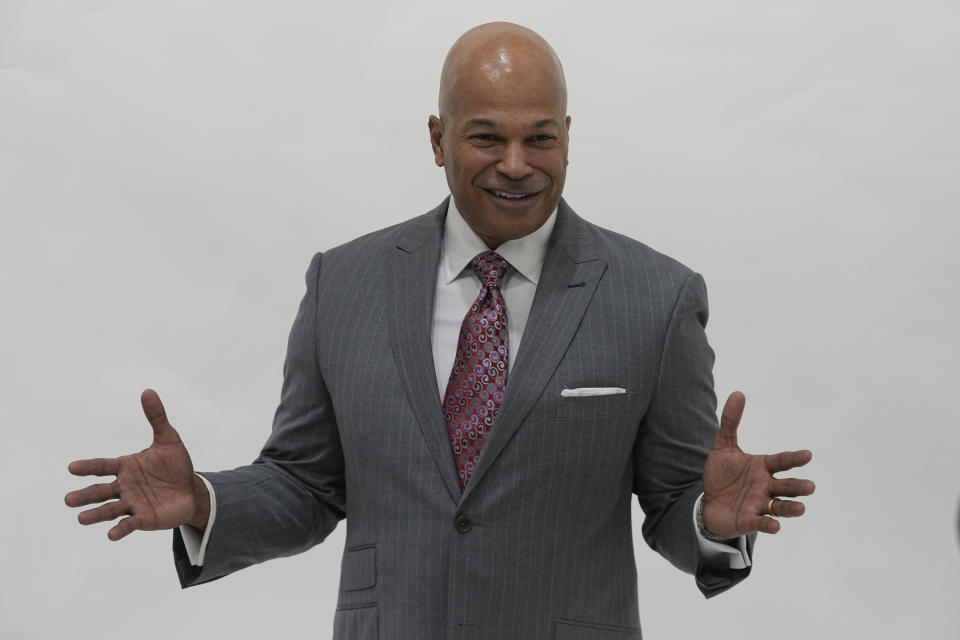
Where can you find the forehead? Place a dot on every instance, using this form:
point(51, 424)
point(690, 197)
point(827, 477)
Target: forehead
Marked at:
point(503, 120)
point(516, 98)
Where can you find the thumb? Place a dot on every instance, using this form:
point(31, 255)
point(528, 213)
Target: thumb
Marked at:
point(163, 432)
point(730, 420)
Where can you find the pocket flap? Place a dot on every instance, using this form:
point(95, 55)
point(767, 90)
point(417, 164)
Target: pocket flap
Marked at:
point(358, 569)
point(569, 630)
point(358, 623)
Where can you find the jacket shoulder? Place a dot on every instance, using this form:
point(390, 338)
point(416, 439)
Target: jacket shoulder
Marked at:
point(377, 243)
point(631, 257)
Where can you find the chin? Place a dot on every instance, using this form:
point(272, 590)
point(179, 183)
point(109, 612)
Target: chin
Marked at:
point(517, 226)
point(503, 223)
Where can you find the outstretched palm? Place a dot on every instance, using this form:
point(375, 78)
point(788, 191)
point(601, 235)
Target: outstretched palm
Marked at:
point(155, 488)
point(739, 489)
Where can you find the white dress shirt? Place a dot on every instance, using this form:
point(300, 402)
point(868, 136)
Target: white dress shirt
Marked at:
point(457, 288)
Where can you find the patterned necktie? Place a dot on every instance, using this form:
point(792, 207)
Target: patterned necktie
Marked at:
point(475, 389)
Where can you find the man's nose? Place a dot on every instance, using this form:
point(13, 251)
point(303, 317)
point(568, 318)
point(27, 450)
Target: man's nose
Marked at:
point(513, 163)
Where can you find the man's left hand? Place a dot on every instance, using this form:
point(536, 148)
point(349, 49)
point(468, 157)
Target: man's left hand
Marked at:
point(740, 493)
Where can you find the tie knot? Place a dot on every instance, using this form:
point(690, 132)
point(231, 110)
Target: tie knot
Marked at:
point(489, 267)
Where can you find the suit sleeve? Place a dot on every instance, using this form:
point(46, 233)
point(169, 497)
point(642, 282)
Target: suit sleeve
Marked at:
point(674, 439)
point(292, 496)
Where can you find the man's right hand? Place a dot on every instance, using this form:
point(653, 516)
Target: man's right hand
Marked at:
point(154, 489)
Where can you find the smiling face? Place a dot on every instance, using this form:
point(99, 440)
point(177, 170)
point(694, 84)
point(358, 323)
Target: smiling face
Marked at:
point(501, 136)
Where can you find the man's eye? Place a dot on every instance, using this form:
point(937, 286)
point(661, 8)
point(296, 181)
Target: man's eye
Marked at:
point(542, 138)
point(484, 137)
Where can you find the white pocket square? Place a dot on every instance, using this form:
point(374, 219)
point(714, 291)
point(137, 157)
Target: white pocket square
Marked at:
point(584, 392)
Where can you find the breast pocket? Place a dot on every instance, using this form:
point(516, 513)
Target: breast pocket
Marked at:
point(592, 406)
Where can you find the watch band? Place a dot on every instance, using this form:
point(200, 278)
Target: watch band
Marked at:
point(706, 533)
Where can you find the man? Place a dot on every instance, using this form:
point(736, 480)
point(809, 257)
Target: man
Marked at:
point(483, 447)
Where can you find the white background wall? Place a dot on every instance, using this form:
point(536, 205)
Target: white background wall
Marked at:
point(167, 170)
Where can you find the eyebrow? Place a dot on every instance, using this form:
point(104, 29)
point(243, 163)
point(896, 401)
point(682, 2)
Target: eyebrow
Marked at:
point(485, 122)
point(540, 124)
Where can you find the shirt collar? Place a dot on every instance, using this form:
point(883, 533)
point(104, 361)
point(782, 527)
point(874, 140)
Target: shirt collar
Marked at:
point(461, 244)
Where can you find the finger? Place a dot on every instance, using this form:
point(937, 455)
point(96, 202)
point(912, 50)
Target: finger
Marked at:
point(124, 528)
point(791, 487)
point(94, 493)
point(787, 460)
point(787, 508)
point(763, 524)
point(153, 409)
point(109, 511)
point(94, 467)
point(730, 420)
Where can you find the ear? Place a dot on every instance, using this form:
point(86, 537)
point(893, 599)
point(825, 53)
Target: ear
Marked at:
point(435, 125)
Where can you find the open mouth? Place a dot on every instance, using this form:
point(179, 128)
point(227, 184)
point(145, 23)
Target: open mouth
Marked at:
point(508, 196)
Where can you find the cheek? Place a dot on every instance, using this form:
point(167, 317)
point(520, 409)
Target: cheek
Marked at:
point(467, 155)
point(552, 162)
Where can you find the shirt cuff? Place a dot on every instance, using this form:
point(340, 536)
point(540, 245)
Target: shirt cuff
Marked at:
point(717, 552)
point(194, 540)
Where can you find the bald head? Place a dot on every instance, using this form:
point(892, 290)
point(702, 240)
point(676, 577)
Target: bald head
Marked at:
point(504, 56)
point(502, 132)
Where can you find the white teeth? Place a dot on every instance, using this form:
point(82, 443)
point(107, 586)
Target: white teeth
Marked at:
point(510, 196)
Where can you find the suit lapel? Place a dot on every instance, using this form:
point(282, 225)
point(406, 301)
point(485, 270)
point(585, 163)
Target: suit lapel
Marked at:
point(413, 292)
point(571, 270)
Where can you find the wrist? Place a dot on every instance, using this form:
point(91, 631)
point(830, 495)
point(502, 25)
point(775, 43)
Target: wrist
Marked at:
point(702, 527)
point(201, 499)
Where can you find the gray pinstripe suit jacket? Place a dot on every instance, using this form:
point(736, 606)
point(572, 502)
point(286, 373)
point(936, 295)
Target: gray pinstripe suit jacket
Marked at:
point(539, 545)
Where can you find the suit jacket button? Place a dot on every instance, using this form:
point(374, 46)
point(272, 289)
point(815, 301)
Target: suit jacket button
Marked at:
point(463, 524)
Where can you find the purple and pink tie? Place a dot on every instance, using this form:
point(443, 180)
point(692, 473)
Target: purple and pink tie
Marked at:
point(479, 374)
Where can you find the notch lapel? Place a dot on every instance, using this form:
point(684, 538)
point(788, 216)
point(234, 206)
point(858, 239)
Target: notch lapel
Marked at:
point(571, 271)
point(413, 294)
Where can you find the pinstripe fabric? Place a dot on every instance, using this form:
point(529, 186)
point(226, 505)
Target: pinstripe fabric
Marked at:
point(539, 545)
